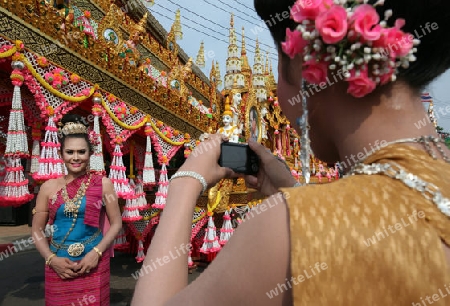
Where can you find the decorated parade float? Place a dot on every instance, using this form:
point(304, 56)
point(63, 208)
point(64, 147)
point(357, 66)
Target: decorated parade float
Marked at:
point(148, 104)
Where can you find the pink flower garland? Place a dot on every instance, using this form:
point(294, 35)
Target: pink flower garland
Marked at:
point(348, 34)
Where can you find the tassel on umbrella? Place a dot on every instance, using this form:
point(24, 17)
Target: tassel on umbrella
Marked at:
point(121, 242)
point(14, 186)
point(96, 163)
point(130, 211)
point(50, 162)
point(118, 176)
point(227, 228)
point(36, 149)
point(140, 254)
point(161, 194)
point(141, 201)
point(211, 241)
point(2, 169)
point(148, 175)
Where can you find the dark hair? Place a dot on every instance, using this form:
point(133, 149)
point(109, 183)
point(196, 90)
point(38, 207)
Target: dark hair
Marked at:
point(73, 118)
point(433, 57)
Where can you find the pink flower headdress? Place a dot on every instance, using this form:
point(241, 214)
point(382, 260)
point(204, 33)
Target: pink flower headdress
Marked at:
point(347, 36)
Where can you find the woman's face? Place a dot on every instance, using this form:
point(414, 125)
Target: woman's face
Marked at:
point(75, 155)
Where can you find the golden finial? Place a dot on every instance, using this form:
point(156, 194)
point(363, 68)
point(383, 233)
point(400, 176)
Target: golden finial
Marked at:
point(200, 61)
point(232, 20)
point(140, 27)
point(227, 107)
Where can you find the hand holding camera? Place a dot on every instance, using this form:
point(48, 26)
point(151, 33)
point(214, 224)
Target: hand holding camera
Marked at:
point(273, 173)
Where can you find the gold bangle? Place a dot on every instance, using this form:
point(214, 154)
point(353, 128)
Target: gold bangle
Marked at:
point(49, 259)
point(98, 252)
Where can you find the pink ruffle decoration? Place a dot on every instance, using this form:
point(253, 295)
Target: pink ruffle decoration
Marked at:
point(118, 176)
point(161, 194)
point(50, 163)
point(227, 229)
point(210, 242)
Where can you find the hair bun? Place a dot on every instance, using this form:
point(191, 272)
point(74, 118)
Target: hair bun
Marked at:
point(73, 118)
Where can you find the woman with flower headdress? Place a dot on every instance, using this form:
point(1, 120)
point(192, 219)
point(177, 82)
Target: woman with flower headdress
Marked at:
point(82, 210)
point(378, 236)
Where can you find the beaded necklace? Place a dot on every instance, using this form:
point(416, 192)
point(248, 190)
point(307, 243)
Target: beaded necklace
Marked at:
point(71, 206)
point(393, 170)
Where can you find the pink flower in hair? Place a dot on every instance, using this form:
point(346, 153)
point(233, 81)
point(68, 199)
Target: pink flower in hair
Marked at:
point(294, 43)
point(360, 84)
point(315, 72)
point(308, 9)
point(398, 43)
point(332, 24)
point(394, 41)
point(365, 21)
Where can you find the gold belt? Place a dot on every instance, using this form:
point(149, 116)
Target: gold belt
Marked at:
point(77, 248)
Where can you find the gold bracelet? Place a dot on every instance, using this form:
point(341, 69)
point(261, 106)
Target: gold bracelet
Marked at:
point(49, 259)
point(98, 252)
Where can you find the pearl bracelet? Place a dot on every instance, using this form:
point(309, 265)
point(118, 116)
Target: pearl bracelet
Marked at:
point(192, 174)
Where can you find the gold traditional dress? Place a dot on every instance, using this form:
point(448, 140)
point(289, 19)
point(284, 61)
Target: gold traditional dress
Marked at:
point(376, 240)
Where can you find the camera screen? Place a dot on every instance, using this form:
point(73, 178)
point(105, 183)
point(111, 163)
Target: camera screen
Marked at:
point(234, 157)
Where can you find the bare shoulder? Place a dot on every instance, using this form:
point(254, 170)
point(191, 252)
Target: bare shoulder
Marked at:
point(47, 191)
point(106, 182)
point(51, 186)
point(109, 193)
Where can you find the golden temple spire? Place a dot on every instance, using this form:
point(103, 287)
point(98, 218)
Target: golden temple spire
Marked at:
point(213, 73)
point(200, 61)
point(258, 79)
point(232, 35)
point(177, 26)
point(243, 50)
point(218, 76)
point(246, 70)
point(272, 84)
point(233, 62)
point(266, 67)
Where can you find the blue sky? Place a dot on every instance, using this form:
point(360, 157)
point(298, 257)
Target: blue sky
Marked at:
point(209, 20)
